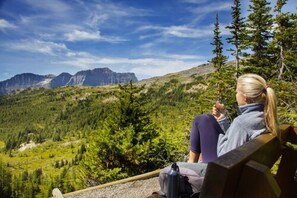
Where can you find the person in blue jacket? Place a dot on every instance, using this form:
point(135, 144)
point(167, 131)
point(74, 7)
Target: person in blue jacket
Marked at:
point(212, 135)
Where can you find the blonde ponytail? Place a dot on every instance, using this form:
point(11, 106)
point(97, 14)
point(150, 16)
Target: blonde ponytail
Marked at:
point(270, 111)
point(256, 89)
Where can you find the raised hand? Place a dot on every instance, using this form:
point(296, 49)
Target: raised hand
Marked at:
point(218, 110)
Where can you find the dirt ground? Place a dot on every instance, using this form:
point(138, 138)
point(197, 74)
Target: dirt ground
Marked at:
point(134, 189)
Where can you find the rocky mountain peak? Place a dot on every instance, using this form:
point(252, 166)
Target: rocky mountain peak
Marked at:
point(95, 77)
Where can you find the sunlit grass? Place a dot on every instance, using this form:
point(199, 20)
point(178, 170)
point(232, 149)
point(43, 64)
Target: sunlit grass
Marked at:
point(42, 156)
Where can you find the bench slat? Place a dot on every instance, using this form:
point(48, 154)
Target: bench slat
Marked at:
point(222, 175)
point(257, 176)
point(245, 171)
point(288, 165)
point(286, 172)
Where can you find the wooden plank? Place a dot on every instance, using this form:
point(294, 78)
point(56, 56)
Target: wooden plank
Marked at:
point(285, 175)
point(257, 181)
point(222, 175)
point(289, 133)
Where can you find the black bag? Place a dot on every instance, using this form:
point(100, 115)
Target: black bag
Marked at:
point(190, 182)
point(185, 188)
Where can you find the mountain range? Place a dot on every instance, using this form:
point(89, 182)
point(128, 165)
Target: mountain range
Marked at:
point(95, 77)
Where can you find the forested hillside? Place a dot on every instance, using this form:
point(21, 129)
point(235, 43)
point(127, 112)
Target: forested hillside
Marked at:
point(75, 137)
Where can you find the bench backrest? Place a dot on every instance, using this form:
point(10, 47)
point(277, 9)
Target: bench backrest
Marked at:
point(238, 172)
point(286, 175)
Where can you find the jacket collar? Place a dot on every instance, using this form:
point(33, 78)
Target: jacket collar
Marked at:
point(250, 107)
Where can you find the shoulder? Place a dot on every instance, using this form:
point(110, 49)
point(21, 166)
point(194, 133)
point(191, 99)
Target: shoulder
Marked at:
point(250, 117)
point(251, 123)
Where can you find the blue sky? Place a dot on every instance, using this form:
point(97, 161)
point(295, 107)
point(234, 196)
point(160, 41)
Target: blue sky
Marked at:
point(147, 37)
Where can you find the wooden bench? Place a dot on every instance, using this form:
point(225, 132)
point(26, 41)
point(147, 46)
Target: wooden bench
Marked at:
point(245, 171)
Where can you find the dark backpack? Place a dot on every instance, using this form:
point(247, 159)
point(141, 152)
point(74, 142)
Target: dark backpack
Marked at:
point(190, 183)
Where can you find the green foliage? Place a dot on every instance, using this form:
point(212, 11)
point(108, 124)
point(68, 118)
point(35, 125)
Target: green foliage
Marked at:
point(5, 175)
point(284, 42)
point(259, 33)
point(83, 136)
point(107, 143)
point(287, 101)
point(222, 88)
point(125, 145)
point(238, 31)
point(219, 60)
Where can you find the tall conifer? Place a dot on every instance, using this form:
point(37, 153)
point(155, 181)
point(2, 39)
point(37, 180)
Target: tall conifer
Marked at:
point(219, 60)
point(285, 42)
point(125, 144)
point(237, 29)
point(259, 23)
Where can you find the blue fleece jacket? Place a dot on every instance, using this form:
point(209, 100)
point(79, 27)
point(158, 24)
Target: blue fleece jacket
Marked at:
point(248, 125)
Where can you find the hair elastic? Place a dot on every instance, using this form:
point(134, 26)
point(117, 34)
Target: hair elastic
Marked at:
point(265, 88)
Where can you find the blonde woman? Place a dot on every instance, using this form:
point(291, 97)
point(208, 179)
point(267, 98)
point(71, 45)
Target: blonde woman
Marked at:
point(212, 135)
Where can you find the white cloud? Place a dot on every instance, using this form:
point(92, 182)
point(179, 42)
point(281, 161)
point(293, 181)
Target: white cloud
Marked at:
point(159, 67)
point(38, 46)
point(148, 27)
point(194, 1)
point(6, 25)
point(53, 6)
point(113, 39)
point(148, 67)
point(96, 19)
point(117, 10)
point(111, 14)
point(183, 56)
point(177, 31)
point(147, 45)
point(78, 35)
point(212, 7)
point(180, 32)
point(187, 32)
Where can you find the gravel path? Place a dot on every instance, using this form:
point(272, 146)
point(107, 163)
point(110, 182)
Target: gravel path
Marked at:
point(135, 189)
point(140, 186)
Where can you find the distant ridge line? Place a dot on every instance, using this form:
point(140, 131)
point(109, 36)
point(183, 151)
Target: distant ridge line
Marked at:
point(94, 77)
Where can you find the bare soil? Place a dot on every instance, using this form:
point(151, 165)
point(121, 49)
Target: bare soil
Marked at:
point(134, 189)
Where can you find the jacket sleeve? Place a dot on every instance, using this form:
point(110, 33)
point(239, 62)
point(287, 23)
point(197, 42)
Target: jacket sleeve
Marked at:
point(224, 124)
point(234, 137)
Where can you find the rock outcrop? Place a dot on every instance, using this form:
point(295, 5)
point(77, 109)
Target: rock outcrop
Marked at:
point(95, 77)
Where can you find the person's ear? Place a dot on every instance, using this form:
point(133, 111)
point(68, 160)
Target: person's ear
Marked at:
point(247, 100)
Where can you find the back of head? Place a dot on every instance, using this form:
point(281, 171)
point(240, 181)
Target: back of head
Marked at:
point(255, 88)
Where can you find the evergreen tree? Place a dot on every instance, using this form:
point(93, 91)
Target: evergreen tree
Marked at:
point(237, 29)
point(5, 180)
point(131, 111)
point(16, 186)
point(259, 25)
point(219, 60)
point(285, 42)
point(125, 146)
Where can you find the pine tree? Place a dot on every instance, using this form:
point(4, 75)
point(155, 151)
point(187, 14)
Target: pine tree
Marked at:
point(219, 60)
point(5, 180)
point(285, 40)
point(259, 25)
point(125, 146)
point(132, 112)
point(17, 186)
point(237, 29)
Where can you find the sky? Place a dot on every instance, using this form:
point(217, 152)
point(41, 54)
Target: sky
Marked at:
point(147, 37)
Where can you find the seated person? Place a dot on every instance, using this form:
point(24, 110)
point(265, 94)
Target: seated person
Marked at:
point(212, 135)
